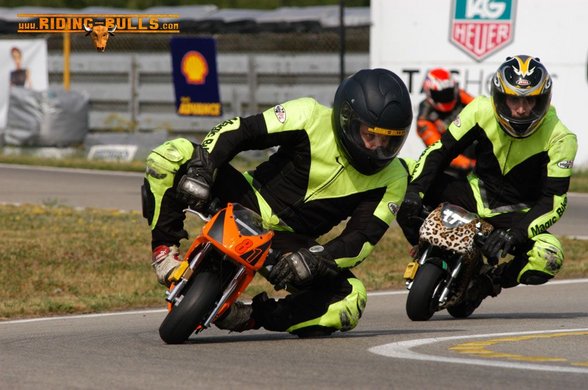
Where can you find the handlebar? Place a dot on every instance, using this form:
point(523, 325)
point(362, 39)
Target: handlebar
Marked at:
point(207, 211)
point(480, 239)
point(419, 219)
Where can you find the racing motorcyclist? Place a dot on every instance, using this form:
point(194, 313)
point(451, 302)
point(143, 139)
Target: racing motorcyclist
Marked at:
point(332, 165)
point(443, 101)
point(524, 163)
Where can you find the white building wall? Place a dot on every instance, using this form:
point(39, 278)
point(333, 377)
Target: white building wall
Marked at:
point(409, 37)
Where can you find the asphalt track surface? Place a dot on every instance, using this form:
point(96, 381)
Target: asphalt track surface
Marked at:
point(528, 337)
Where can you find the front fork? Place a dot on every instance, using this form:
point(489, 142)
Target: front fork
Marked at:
point(185, 271)
point(412, 267)
point(226, 294)
point(454, 274)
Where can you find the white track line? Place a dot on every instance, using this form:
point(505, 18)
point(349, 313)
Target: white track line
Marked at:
point(402, 350)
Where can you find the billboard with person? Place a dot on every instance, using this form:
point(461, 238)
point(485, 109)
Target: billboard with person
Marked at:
point(23, 64)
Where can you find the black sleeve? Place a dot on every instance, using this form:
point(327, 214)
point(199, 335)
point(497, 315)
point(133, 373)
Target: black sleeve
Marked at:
point(436, 158)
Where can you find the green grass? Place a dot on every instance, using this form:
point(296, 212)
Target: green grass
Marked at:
point(579, 182)
point(83, 163)
point(59, 260)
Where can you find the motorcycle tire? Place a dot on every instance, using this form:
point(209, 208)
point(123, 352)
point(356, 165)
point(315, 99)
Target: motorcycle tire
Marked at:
point(422, 303)
point(463, 309)
point(197, 303)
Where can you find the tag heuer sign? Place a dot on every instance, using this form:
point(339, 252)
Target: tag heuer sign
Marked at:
point(481, 27)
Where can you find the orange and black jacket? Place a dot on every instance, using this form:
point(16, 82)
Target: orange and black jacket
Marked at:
point(432, 124)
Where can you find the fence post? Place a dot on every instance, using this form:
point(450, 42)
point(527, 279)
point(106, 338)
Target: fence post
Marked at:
point(134, 101)
point(66, 60)
point(341, 40)
point(252, 82)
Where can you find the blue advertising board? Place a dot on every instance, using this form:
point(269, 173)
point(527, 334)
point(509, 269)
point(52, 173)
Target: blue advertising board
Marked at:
point(195, 76)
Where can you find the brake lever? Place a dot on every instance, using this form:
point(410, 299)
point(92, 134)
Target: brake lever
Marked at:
point(479, 239)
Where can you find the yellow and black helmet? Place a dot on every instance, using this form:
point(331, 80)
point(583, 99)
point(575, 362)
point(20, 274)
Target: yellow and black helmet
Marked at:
point(523, 77)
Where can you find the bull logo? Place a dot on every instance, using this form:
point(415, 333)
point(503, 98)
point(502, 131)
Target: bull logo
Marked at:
point(99, 34)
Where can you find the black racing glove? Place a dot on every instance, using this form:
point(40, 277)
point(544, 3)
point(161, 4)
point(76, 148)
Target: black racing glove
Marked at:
point(300, 268)
point(409, 216)
point(194, 186)
point(501, 242)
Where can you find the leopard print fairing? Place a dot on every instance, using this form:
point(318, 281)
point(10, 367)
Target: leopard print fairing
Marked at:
point(459, 239)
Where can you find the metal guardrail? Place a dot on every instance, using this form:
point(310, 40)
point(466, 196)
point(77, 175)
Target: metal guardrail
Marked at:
point(134, 92)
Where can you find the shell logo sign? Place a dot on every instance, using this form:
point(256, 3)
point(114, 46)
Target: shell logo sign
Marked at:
point(195, 76)
point(481, 27)
point(194, 67)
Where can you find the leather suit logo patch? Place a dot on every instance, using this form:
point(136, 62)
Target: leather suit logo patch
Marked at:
point(280, 113)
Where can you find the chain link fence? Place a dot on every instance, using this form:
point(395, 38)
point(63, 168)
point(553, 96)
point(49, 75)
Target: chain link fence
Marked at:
point(325, 41)
point(131, 86)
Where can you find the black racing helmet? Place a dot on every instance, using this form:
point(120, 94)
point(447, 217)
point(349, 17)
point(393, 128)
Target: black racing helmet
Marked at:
point(378, 99)
point(526, 78)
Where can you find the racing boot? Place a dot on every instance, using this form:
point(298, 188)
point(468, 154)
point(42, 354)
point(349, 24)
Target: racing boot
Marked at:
point(486, 284)
point(237, 318)
point(165, 260)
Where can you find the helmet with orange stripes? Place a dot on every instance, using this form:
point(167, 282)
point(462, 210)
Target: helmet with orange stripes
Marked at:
point(441, 89)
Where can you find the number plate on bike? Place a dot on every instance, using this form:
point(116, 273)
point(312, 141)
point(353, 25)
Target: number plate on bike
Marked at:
point(180, 272)
point(411, 270)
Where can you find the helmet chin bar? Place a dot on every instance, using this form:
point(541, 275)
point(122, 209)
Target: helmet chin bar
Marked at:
point(518, 129)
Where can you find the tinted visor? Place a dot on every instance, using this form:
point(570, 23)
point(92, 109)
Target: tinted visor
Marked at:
point(446, 95)
point(522, 126)
point(376, 142)
point(539, 104)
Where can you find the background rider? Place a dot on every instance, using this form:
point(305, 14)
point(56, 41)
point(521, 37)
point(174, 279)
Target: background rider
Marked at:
point(524, 164)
